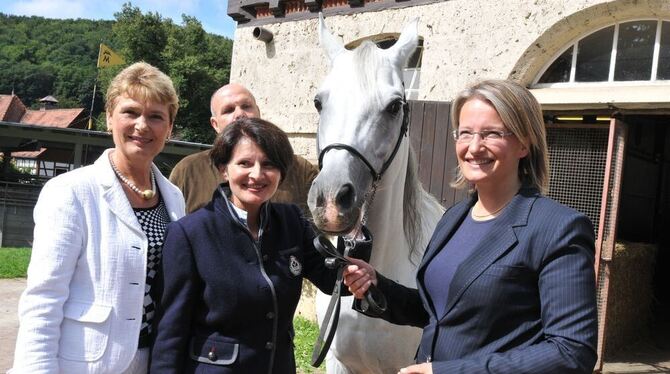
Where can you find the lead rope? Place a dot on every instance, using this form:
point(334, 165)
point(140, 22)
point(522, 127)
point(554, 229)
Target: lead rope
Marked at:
point(374, 300)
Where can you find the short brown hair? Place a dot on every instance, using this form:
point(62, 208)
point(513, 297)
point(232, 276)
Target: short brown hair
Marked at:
point(522, 115)
point(143, 82)
point(270, 138)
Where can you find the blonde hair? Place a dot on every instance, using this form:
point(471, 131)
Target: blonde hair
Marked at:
point(143, 82)
point(522, 115)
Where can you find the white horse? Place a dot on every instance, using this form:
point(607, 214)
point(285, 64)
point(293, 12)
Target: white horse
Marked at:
point(362, 106)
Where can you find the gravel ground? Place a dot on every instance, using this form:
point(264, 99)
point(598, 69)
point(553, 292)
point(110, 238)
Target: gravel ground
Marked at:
point(10, 290)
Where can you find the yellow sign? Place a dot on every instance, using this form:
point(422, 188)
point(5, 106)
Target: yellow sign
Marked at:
point(107, 57)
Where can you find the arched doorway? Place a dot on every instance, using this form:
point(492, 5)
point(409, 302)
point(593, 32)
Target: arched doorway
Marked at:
point(606, 96)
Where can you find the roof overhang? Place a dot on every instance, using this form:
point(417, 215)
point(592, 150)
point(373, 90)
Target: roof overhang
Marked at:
point(624, 97)
point(15, 134)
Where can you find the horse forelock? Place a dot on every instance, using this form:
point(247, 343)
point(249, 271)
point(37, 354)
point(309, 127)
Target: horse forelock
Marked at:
point(367, 61)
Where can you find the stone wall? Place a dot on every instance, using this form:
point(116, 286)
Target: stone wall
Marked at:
point(464, 41)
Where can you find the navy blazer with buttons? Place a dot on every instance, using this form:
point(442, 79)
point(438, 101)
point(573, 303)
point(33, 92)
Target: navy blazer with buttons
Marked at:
point(523, 302)
point(227, 303)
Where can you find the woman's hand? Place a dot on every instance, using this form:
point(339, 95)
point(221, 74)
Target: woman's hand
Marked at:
point(425, 368)
point(359, 276)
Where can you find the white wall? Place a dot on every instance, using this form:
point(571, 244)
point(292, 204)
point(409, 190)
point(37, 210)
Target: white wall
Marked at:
point(464, 41)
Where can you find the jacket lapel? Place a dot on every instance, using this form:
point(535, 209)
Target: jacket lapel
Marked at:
point(450, 221)
point(492, 246)
point(112, 193)
point(171, 197)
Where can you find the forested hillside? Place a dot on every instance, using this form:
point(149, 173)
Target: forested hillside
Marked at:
point(40, 57)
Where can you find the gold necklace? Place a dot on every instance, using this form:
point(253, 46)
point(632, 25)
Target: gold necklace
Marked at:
point(145, 194)
point(489, 214)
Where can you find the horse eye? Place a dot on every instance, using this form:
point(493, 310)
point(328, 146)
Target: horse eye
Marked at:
point(394, 107)
point(317, 104)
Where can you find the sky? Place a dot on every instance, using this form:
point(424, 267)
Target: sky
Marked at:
point(211, 13)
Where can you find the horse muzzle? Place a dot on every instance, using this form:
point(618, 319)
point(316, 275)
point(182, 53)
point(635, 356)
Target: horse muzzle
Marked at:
point(336, 211)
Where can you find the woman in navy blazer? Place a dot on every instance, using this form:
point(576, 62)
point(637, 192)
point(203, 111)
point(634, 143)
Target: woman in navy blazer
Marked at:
point(507, 283)
point(233, 269)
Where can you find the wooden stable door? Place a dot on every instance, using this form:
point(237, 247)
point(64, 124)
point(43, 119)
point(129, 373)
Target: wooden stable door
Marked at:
point(434, 148)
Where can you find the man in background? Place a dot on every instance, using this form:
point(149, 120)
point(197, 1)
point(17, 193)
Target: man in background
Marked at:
point(196, 176)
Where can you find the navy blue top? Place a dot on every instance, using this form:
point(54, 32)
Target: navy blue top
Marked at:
point(442, 268)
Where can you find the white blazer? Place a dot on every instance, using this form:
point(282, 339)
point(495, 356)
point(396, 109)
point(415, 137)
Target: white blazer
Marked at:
point(82, 308)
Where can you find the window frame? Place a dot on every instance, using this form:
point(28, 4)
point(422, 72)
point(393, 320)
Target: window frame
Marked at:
point(574, 44)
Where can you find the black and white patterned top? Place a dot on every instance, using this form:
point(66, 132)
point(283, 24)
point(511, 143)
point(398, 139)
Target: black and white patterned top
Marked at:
point(153, 222)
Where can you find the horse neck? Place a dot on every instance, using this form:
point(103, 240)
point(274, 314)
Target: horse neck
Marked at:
point(401, 231)
point(386, 215)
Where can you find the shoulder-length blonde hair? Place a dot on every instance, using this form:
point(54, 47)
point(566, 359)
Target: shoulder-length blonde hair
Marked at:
point(522, 115)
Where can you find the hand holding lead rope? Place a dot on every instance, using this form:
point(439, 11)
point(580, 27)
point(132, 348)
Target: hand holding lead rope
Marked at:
point(374, 301)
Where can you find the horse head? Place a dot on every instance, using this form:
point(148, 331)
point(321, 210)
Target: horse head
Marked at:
point(363, 120)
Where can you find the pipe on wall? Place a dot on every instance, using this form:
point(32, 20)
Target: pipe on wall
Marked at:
point(262, 34)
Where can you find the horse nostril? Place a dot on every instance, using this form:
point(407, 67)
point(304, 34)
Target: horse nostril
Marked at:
point(345, 197)
point(320, 201)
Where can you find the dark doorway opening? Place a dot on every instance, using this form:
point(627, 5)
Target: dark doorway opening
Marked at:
point(644, 217)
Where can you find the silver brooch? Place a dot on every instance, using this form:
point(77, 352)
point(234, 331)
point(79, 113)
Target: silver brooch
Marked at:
point(294, 266)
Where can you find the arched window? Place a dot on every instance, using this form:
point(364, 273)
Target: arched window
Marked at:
point(411, 71)
point(627, 51)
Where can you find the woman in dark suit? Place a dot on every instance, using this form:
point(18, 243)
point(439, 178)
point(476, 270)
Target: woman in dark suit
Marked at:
point(233, 269)
point(507, 282)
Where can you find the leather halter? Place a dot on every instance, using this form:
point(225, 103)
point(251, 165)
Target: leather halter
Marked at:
point(376, 176)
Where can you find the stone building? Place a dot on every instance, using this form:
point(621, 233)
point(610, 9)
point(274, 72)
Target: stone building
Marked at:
point(600, 69)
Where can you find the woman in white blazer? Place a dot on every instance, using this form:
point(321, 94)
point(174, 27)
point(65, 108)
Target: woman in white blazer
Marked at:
point(88, 304)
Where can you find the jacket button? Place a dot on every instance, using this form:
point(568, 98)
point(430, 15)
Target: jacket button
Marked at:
point(212, 356)
point(429, 358)
point(270, 315)
point(265, 258)
point(269, 345)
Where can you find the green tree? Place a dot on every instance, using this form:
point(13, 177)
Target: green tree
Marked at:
point(197, 62)
point(195, 75)
point(143, 36)
point(40, 57)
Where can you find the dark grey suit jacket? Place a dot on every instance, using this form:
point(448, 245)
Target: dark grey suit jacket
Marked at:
point(523, 302)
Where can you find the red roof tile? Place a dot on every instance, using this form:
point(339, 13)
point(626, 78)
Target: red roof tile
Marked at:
point(28, 154)
point(11, 108)
point(54, 117)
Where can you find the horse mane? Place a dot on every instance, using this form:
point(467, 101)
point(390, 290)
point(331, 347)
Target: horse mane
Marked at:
point(416, 201)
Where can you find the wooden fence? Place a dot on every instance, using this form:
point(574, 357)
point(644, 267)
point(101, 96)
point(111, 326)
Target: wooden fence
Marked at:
point(17, 201)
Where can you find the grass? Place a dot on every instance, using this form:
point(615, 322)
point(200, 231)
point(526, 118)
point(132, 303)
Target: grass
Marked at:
point(306, 333)
point(14, 262)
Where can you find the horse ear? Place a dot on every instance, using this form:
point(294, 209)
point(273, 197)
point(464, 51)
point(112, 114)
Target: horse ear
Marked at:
point(332, 46)
point(406, 44)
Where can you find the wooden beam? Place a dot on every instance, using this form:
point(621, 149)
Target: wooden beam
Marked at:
point(277, 7)
point(237, 13)
point(313, 5)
